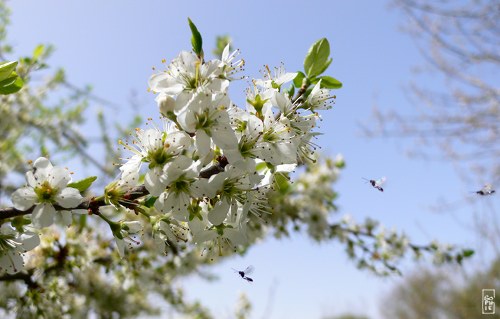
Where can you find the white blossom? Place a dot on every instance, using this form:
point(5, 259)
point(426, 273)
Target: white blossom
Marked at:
point(128, 233)
point(13, 245)
point(46, 188)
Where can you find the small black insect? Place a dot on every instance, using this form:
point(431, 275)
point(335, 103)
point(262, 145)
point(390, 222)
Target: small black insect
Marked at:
point(244, 273)
point(377, 183)
point(486, 190)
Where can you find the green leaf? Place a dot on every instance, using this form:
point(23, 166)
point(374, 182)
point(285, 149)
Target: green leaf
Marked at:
point(327, 64)
point(261, 166)
point(282, 183)
point(221, 42)
point(6, 69)
point(316, 60)
point(84, 184)
point(330, 83)
point(196, 40)
point(468, 252)
point(150, 201)
point(19, 223)
point(298, 79)
point(340, 163)
point(11, 84)
point(38, 51)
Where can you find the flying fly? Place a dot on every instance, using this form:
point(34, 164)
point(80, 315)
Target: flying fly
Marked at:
point(486, 190)
point(376, 183)
point(244, 273)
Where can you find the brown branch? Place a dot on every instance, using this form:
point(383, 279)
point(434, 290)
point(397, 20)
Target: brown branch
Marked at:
point(93, 204)
point(215, 169)
point(26, 277)
point(301, 92)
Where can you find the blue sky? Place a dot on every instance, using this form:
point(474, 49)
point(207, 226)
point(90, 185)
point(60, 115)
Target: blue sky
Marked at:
point(112, 45)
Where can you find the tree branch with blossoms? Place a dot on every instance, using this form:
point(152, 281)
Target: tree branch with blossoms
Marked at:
point(206, 182)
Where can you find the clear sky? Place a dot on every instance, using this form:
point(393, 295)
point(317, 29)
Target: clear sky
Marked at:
point(113, 44)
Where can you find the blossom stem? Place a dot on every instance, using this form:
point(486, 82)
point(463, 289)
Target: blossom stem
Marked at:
point(302, 90)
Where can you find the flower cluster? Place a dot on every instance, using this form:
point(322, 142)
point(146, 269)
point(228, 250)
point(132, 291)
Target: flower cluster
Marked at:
point(210, 163)
point(208, 167)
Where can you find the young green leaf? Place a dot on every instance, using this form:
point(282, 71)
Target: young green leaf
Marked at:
point(196, 40)
point(38, 51)
point(220, 44)
point(316, 60)
point(6, 69)
point(11, 84)
point(84, 184)
point(330, 83)
point(298, 79)
point(150, 201)
point(261, 166)
point(282, 183)
point(468, 252)
point(327, 64)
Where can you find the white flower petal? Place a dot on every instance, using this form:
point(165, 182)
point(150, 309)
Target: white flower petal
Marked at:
point(24, 198)
point(196, 225)
point(42, 163)
point(69, 197)
point(178, 203)
point(153, 183)
point(187, 120)
point(64, 217)
point(285, 168)
point(150, 139)
point(178, 141)
point(11, 262)
point(157, 82)
point(236, 236)
point(225, 52)
point(29, 240)
point(217, 215)
point(204, 236)
point(59, 177)
point(202, 143)
point(31, 179)
point(43, 215)
point(131, 167)
point(120, 246)
point(225, 138)
point(160, 203)
point(201, 188)
point(134, 227)
point(7, 229)
point(166, 103)
point(287, 77)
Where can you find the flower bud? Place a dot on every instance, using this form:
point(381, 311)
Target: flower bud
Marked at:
point(166, 103)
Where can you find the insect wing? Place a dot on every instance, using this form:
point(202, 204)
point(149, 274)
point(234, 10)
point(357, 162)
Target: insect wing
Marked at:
point(380, 181)
point(249, 270)
point(487, 189)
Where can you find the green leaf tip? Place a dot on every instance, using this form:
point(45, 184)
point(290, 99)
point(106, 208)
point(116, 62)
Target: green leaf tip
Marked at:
point(329, 82)
point(6, 69)
point(84, 184)
point(196, 40)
